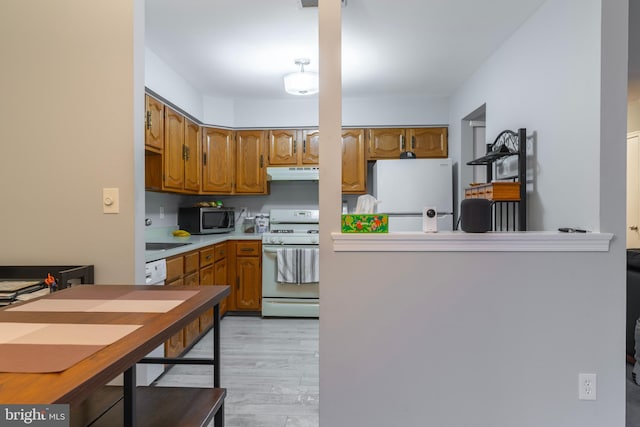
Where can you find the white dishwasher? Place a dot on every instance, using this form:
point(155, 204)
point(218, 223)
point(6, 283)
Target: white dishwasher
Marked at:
point(155, 274)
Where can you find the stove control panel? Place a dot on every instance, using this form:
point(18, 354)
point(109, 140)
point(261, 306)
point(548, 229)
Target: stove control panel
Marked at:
point(290, 239)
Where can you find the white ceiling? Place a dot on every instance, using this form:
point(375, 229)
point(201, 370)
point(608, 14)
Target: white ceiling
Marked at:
point(242, 48)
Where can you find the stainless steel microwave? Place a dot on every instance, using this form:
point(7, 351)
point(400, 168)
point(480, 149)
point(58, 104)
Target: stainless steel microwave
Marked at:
point(201, 220)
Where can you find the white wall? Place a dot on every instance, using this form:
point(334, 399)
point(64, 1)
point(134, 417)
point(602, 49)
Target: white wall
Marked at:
point(218, 111)
point(166, 82)
point(373, 111)
point(71, 87)
point(289, 112)
point(498, 339)
point(529, 71)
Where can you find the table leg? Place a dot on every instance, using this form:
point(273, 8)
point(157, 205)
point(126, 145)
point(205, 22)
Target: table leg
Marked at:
point(130, 397)
point(216, 345)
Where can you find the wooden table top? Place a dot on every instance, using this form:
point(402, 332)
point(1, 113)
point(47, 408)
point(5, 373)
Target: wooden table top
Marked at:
point(73, 385)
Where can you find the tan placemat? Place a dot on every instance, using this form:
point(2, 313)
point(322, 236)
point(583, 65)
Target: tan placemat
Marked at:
point(69, 334)
point(159, 295)
point(53, 347)
point(135, 306)
point(41, 358)
point(98, 306)
point(148, 301)
point(58, 305)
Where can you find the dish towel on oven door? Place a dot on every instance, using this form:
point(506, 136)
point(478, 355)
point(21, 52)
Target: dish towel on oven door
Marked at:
point(298, 265)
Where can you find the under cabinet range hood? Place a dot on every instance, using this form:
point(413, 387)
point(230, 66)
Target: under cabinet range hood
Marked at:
point(283, 173)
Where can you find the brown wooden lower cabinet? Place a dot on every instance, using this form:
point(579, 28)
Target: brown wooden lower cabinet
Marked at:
point(175, 346)
point(236, 263)
point(247, 276)
point(183, 270)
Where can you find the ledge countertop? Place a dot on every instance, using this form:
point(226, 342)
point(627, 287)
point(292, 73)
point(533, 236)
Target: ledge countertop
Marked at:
point(458, 241)
point(195, 241)
point(528, 241)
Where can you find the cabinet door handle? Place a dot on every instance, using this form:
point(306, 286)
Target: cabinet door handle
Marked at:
point(204, 159)
point(246, 249)
point(261, 161)
point(238, 283)
point(634, 228)
point(295, 147)
point(401, 142)
point(413, 143)
point(304, 146)
point(208, 257)
point(148, 119)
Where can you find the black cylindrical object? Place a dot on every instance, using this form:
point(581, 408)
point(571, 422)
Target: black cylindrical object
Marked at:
point(475, 215)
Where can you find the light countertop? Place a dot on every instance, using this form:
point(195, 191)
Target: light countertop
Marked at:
point(163, 235)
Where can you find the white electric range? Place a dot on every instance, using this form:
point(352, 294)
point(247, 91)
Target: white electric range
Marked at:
point(290, 229)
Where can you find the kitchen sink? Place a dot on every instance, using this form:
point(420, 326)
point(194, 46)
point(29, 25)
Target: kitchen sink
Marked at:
point(156, 246)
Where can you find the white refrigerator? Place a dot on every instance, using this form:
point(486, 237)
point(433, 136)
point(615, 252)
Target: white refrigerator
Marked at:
point(404, 187)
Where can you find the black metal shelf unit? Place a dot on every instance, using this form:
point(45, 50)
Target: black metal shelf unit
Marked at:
point(508, 143)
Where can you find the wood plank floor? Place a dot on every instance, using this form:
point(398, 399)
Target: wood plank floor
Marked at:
point(269, 367)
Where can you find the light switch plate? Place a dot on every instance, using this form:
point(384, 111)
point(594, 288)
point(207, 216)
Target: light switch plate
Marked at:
point(111, 200)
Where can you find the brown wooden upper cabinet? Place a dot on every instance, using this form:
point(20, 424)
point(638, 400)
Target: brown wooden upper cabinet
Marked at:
point(293, 147)
point(354, 167)
point(154, 124)
point(218, 160)
point(251, 176)
point(389, 143)
point(192, 154)
point(181, 170)
point(173, 171)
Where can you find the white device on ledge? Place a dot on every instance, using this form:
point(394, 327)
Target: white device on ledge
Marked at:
point(429, 220)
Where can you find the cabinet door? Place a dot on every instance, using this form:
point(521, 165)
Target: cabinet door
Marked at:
point(250, 168)
point(428, 142)
point(283, 147)
point(192, 330)
point(191, 263)
point(354, 167)
point(175, 268)
point(191, 157)
point(206, 256)
point(248, 283)
point(220, 278)
point(154, 124)
point(218, 154)
point(386, 143)
point(206, 279)
point(173, 172)
point(311, 147)
point(175, 345)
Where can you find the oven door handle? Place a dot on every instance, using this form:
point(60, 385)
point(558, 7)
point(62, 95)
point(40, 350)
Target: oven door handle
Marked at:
point(269, 250)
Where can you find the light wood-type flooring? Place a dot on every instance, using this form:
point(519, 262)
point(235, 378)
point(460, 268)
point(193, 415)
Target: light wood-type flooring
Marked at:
point(269, 367)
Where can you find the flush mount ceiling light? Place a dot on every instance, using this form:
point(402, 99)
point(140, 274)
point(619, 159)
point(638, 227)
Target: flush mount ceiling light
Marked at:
point(301, 83)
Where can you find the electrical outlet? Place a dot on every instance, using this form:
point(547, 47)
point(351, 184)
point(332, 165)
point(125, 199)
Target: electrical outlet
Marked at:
point(587, 386)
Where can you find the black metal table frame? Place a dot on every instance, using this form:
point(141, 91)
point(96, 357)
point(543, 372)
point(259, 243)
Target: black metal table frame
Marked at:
point(130, 374)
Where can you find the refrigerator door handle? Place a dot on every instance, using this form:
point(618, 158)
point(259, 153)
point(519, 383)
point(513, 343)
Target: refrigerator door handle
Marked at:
point(414, 213)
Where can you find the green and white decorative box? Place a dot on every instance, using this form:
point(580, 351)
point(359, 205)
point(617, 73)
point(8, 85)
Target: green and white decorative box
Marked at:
point(365, 223)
